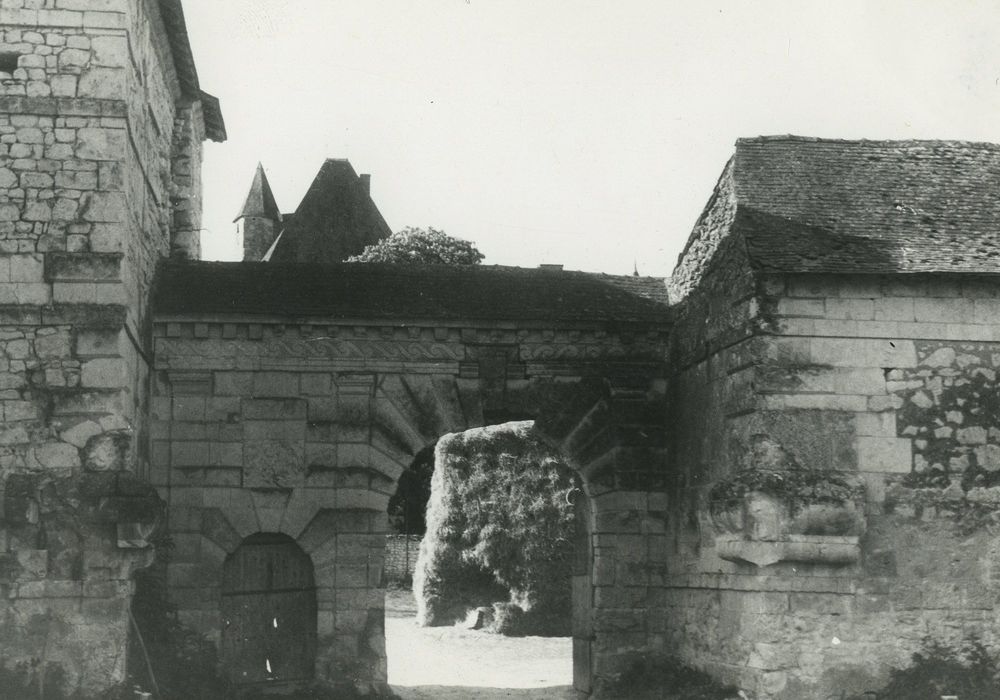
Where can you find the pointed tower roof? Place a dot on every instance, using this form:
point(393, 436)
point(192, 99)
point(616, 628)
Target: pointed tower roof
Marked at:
point(335, 220)
point(260, 200)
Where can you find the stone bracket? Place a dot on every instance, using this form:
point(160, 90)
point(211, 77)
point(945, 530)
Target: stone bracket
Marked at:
point(813, 549)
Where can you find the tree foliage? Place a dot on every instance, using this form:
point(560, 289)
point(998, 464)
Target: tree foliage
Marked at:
point(408, 506)
point(499, 530)
point(422, 246)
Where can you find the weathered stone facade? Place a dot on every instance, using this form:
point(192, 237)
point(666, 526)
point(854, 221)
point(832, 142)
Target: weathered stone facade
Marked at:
point(304, 429)
point(87, 164)
point(792, 474)
point(872, 396)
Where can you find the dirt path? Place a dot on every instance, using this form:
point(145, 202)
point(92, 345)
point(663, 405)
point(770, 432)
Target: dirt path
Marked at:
point(453, 663)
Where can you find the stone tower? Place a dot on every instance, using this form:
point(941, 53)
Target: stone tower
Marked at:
point(102, 121)
point(259, 220)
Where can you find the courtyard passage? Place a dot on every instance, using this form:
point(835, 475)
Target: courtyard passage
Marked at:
point(454, 663)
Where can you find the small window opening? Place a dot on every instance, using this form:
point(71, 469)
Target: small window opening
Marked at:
point(267, 664)
point(8, 61)
point(275, 623)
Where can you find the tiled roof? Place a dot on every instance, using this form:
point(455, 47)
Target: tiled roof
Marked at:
point(389, 292)
point(822, 205)
point(335, 220)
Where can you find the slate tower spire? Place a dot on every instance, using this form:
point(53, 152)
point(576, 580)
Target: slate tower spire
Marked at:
point(260, 219)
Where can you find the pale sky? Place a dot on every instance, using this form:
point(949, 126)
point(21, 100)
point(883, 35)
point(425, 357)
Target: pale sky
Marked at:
point(569, 131)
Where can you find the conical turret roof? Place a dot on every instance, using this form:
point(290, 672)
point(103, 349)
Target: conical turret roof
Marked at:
point(260, 200)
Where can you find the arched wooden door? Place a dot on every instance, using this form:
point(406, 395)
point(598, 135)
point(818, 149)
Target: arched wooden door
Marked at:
point(268, 611)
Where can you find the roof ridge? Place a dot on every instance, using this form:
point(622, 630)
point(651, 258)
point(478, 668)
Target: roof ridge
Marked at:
point(408, 267)
point(795, 138)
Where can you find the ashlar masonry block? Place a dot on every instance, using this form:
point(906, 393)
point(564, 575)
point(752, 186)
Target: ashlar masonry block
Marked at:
point(885, 454)
point(863, 352)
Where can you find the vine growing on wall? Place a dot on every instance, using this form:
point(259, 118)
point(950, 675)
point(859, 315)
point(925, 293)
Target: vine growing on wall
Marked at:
point(766, 467)
point(795, 487)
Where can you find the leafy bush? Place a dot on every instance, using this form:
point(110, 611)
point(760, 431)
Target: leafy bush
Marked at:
point(422, 246)
point(969, 671)
point(499, 528)
point(408, 506)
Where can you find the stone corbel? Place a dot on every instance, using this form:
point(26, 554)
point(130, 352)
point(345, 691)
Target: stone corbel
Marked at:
point(764, 530)
point(829, 550)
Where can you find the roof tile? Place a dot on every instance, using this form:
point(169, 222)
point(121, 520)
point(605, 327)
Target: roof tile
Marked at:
point(824, 205)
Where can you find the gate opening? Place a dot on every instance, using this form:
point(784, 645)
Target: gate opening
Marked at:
point(268, 612)
point(504, 574)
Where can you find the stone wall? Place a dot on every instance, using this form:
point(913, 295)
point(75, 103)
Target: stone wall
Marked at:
point(304, 429)
point(186, 191)
point(401, 553)
point(879, 392)
point(86, 132)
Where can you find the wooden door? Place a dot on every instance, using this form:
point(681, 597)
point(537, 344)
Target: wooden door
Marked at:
point(583, 593)
point(268, 611)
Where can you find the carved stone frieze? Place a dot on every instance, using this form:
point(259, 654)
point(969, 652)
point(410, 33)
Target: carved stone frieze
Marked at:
point(610, 349)
point(293, 351)
point(171, 352)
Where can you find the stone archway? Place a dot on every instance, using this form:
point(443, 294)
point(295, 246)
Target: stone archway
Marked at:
point(550, 581)
point(304, 429)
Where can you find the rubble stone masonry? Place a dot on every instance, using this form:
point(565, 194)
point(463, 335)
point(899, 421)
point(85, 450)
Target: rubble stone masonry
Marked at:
point(88, 109)
point(791, 479)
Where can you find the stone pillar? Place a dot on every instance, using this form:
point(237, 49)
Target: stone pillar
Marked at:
point(628, 568)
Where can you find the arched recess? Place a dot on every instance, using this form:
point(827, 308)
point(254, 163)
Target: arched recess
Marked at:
point(268, 612)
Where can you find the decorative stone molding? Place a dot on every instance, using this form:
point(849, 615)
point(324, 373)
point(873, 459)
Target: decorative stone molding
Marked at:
point(171, 350)
point(415, 342)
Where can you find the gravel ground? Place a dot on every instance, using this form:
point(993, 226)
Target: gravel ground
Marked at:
point(453, 663)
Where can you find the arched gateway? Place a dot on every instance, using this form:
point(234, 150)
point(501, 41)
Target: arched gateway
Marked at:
point(289, 399)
